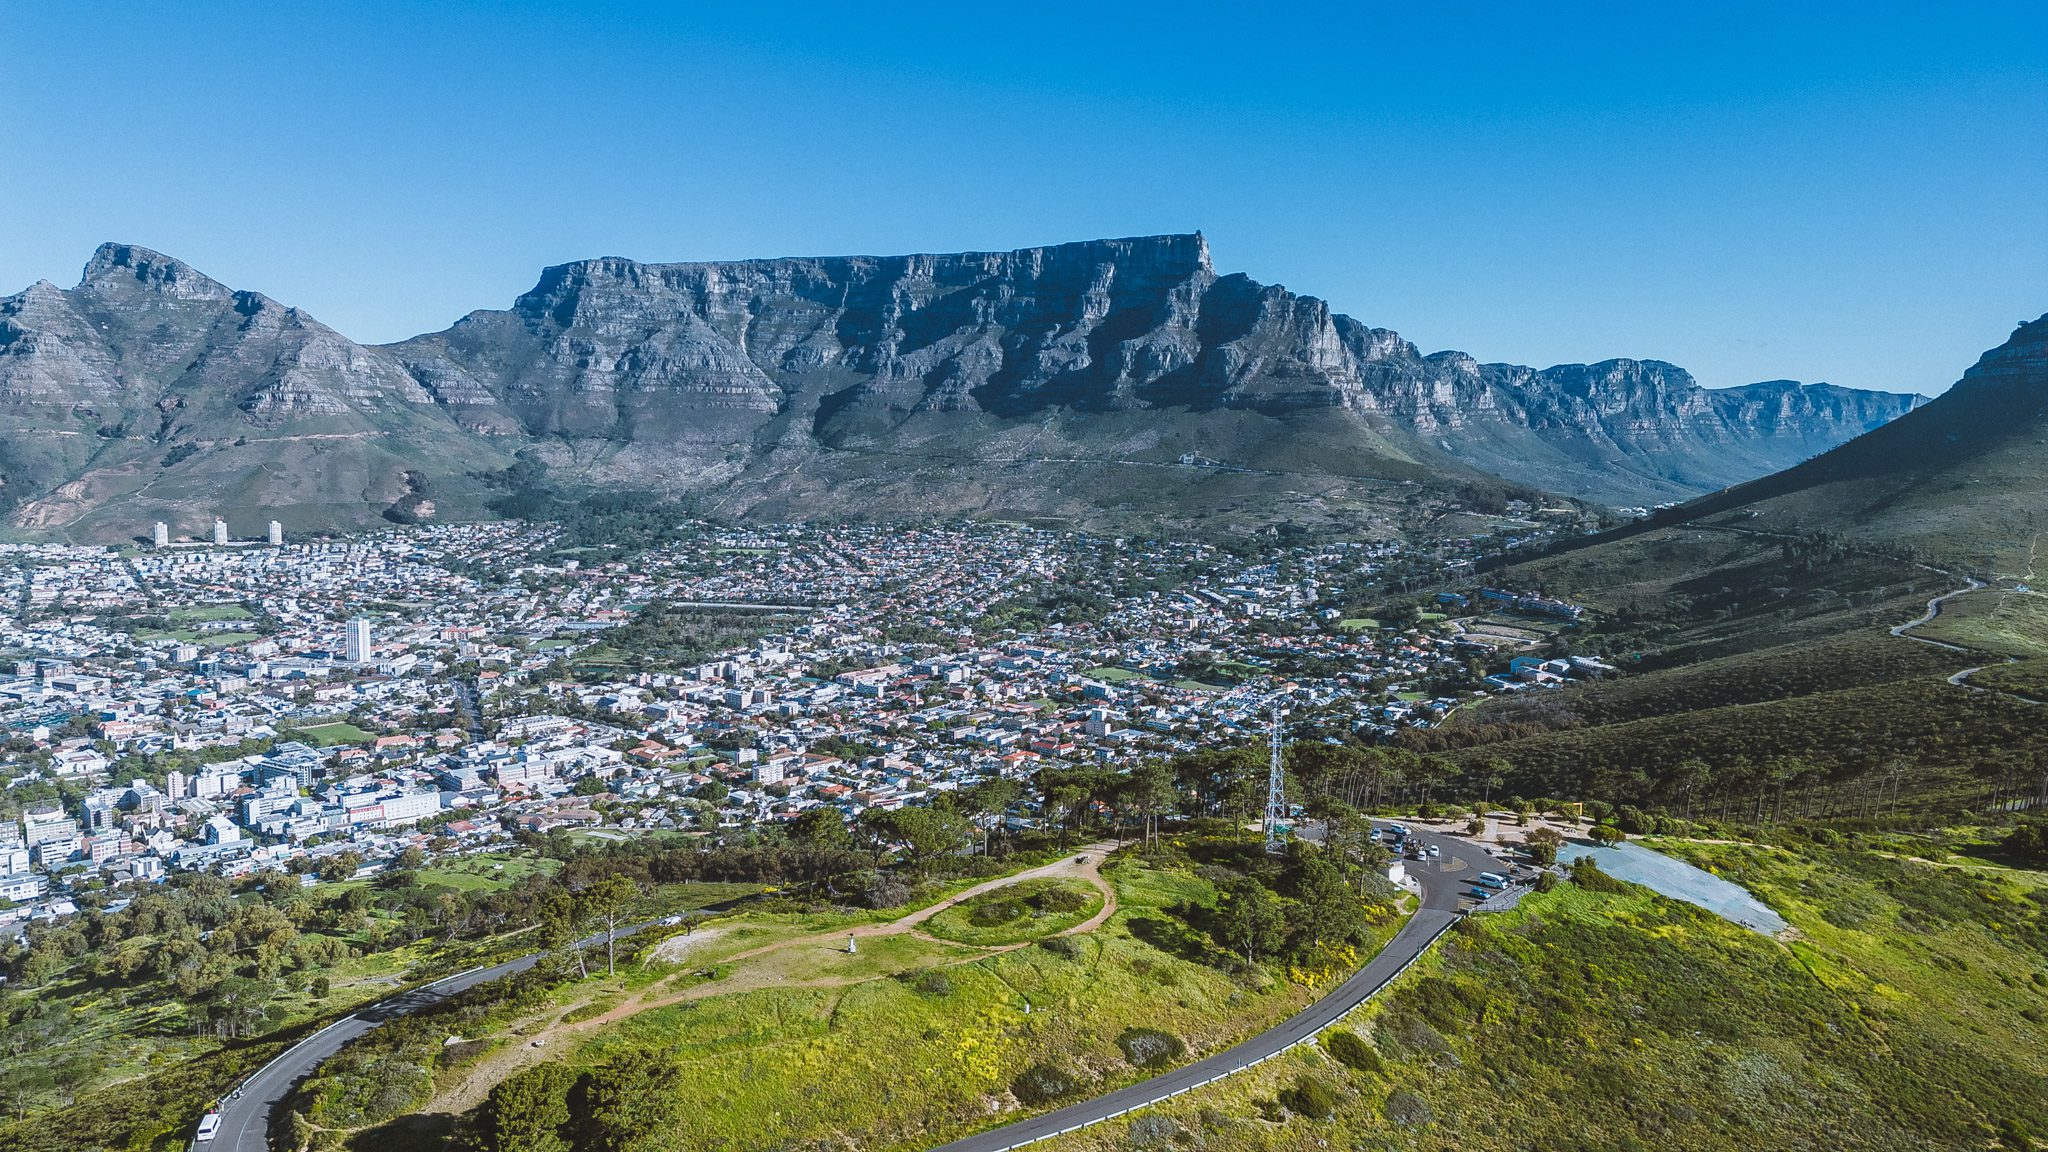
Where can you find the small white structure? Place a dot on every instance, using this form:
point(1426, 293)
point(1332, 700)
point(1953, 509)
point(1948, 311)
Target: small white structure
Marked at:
point(1397, 872)
point(852, 944)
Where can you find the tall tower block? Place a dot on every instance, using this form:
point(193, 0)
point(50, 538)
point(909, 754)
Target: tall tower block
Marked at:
point(276, 534)
point(161, 535)
point(220, 530)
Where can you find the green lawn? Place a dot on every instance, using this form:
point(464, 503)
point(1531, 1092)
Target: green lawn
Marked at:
point(486, 871)
point(209, 612)
point(1113, 674)
point(337, 732)
point(1357, 623)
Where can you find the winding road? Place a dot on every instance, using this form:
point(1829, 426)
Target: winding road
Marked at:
point(1443, 882)
point(245, 1115)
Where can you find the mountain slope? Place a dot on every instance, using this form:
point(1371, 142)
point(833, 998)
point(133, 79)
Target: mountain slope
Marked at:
point(1112, 380)
point(1963, 479)
point(151, 391)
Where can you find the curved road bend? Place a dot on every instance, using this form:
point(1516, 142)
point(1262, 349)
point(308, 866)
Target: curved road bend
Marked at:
point(245, 1114)
point(1443, 882)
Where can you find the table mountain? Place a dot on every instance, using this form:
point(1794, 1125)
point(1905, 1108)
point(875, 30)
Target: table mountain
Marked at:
point(1112, 376)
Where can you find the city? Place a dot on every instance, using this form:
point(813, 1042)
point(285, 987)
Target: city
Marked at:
point(232, 708)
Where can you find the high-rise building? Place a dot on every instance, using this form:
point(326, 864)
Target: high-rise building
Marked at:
point(276, 534)
point(161, 534)
point(356, 647)
point(220, 530)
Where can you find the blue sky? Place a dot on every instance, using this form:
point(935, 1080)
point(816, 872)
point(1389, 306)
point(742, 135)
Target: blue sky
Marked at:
point(1854, 193)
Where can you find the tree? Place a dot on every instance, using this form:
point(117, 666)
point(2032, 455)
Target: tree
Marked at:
point(413, 857)
point(1250, 918)
point(1542, 845)
point(606, 902)
point(1607, 835)
point(527, 1112)
point(628, 1104)
point(819, 828)
point(1150, 792)
point(556, 913)
point(1325, 910)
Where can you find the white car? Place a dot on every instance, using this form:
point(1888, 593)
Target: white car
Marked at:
point(1435, 852)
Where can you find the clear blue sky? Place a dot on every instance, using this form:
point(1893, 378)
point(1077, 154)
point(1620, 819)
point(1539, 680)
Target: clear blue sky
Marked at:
point(1857, 194)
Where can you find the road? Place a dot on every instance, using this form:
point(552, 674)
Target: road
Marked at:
point(246, 1113)
point(1934, 610)
point(1443, 883)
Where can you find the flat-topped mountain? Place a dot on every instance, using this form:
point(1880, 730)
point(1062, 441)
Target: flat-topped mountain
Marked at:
point(1111, 376)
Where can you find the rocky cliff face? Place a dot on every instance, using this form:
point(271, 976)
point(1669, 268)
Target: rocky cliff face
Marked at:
point(1064, 377)
point(863, 352)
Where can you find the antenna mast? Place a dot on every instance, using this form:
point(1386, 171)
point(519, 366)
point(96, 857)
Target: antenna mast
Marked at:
point(1276, 804)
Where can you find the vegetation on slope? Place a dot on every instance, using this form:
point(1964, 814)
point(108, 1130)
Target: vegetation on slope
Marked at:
point(1911, 1011)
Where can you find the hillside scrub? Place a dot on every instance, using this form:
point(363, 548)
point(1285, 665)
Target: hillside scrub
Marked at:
point(1620, 1020)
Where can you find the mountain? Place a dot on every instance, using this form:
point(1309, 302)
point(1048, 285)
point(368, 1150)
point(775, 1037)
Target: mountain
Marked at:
point(1131, 350)
point(152, 391)
point(1120, 378)
point(1963, 478)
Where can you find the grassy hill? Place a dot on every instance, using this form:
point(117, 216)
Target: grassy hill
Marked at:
point(1910, 1010)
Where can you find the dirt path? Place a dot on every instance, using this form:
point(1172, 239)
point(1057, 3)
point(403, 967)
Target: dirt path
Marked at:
point(1082, 864)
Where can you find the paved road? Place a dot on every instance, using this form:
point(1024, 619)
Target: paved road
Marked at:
point(245, 1114)
point(1934, 610)
point(1443, 882)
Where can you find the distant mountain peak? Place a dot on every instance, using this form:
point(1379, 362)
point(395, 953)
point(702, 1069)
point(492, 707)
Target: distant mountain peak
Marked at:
point(126, 267)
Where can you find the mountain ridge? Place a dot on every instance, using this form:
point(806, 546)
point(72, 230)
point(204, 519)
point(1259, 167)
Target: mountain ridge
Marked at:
point(780, 386)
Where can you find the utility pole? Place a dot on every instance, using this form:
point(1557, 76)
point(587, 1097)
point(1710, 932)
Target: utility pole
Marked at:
point(1276, 804)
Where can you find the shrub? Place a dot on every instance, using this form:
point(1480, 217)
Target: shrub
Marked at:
point(1150, 1047)
point(1347, 1049)
point(932, 982)
point(1043, 1083)
point(1587, 874)
point(1546, 881)
point(1059, 900)
point(1407, 1109)
point(994, 911)
point(1154, 1131)
point(1310, 1096)
point(1065, 946)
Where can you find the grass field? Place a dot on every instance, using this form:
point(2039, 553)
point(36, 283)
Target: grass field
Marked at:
point(336, 732)
point(1357, 623)
point(209, 612)
point(1909, 1014)
point(485, 871)
point(910, 1040)
point(1113, 675)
